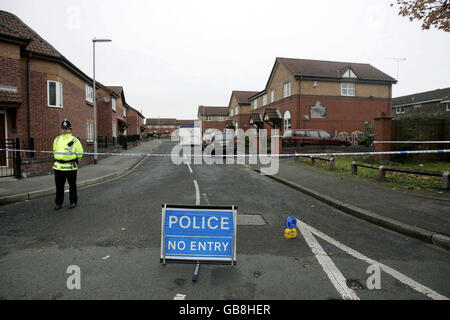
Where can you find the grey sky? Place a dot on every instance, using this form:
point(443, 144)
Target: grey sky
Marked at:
point(171, 56)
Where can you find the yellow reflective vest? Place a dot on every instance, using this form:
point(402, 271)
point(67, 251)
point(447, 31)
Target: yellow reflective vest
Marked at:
point(66, 143)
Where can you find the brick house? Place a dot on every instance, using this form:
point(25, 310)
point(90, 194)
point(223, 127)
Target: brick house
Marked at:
point(136, 122)
point(39, 88)
point(119, 120)
point(162, 126)
point(436, 102)
point(239, 108)
point(213, 117)
point(338, 97)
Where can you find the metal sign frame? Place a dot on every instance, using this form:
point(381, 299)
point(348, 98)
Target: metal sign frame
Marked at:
point(164, 258)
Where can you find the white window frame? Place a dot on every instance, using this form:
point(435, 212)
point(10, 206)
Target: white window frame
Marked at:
point(208, 118)
point(231, 112)
point(237, 109)
point(58, 94)
point(287, 122)
point(272, 95)
point(89, 93)
point(264, 99)
point(255, 103)
point(220, 118)
point(400, 110)
point(348, 89)
point(113, 104)
point(287, 89)
point(124, 111)
point(90, 132)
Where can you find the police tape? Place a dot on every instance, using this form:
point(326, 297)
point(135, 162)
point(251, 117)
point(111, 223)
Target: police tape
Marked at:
point(329, 154)
point(416, 142)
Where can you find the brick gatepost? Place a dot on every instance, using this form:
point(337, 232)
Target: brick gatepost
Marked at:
point(382, 132)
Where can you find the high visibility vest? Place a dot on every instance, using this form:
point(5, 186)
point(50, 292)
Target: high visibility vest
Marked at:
point(66, 143)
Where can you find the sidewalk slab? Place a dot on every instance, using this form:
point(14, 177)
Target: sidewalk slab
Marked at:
point(12, 189)
point(422, 216)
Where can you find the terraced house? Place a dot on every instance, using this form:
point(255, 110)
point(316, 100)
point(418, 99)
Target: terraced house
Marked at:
point(39, 88)
point(339, 97)
point(213, 117)
point(239, 108)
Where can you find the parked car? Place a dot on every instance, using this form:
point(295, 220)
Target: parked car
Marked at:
point(301, 137)
point(224, 141)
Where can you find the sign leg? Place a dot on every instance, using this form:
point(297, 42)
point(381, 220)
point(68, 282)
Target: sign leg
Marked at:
point(197, 267)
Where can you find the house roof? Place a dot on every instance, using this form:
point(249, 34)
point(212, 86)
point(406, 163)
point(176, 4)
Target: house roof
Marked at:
point(417, 98)
point(212, 111)
point(11, 25)
point(161, 121)
point(185, 122)
point(242, 97)
point(333, 69)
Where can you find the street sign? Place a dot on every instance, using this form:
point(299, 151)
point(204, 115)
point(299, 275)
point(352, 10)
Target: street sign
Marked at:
point(198, 233)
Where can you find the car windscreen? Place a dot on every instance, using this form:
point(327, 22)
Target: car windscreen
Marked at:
point(299, 133)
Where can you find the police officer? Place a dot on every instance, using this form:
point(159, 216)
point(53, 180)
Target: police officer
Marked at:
point(66, 165)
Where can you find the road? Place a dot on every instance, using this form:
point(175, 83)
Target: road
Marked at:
point(113, 236)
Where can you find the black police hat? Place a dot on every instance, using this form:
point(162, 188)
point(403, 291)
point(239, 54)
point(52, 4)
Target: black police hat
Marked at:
point(65, 125)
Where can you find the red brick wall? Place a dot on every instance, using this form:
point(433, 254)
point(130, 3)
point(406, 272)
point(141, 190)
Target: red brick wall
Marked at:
point(219, 125)
point(104, 118)
point(9, 72)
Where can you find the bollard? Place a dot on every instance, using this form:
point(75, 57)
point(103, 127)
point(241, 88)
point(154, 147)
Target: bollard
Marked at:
point(381, 173)
point(332, 164)
point(312, 161)
point(445, 180)
point(354, 169)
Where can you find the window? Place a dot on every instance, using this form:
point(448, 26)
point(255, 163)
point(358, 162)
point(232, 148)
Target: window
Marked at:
point(264, 99)
point(318, 111)
point(220, 118)
point(113, 101)
point(208, 118)
point(287, 120)
point(347, 89)
point(255, 103)
point(124, 112)
point(400, 110)
point(287, 89)
point(54, 94)
point(90, 132)
point(447, 106)
point(272, 95)
point(89, 93)
point(237, 109)
point(231, 112)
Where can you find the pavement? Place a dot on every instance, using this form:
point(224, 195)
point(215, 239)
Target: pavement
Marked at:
point(13, 189)
point(422, 217)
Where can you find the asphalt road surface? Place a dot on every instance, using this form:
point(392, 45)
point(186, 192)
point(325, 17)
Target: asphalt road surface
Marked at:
point(114, 236)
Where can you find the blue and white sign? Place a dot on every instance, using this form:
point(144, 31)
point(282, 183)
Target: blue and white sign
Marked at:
point(198, 233)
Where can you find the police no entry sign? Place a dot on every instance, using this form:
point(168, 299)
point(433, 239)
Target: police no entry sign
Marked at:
point(198, 233)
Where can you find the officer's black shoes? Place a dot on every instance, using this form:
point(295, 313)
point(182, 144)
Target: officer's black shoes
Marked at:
point(58, 206)
point(72, 205)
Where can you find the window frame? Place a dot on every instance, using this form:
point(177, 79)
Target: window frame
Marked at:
point(89, 93)
point(114, 104)
point(59, 94)
point(255, 104)
point(264, 99)
point(89, 132)
point(287, 89)
point(287, 121)
point(272, 95)
point(345, 87)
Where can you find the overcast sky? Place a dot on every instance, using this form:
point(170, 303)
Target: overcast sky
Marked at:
point(172, 56)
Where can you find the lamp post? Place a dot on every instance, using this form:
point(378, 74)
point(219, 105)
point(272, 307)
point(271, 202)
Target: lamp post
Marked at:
point(95, 97)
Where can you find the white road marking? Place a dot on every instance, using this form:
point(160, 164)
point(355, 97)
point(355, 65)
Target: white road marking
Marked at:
point(197, 193)
point(394, 273)
point(179, 296)
point(206, 198)
point(187, 162)
point(333, 273)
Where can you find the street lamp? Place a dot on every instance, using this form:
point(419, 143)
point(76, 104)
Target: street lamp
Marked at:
point(95, 97)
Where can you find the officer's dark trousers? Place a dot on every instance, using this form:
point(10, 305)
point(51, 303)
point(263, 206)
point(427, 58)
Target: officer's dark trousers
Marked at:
point(60, 180)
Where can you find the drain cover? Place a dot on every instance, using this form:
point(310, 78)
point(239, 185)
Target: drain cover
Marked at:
point(250, 220)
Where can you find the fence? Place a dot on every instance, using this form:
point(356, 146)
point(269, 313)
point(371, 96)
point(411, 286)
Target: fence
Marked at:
point(9, 160)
